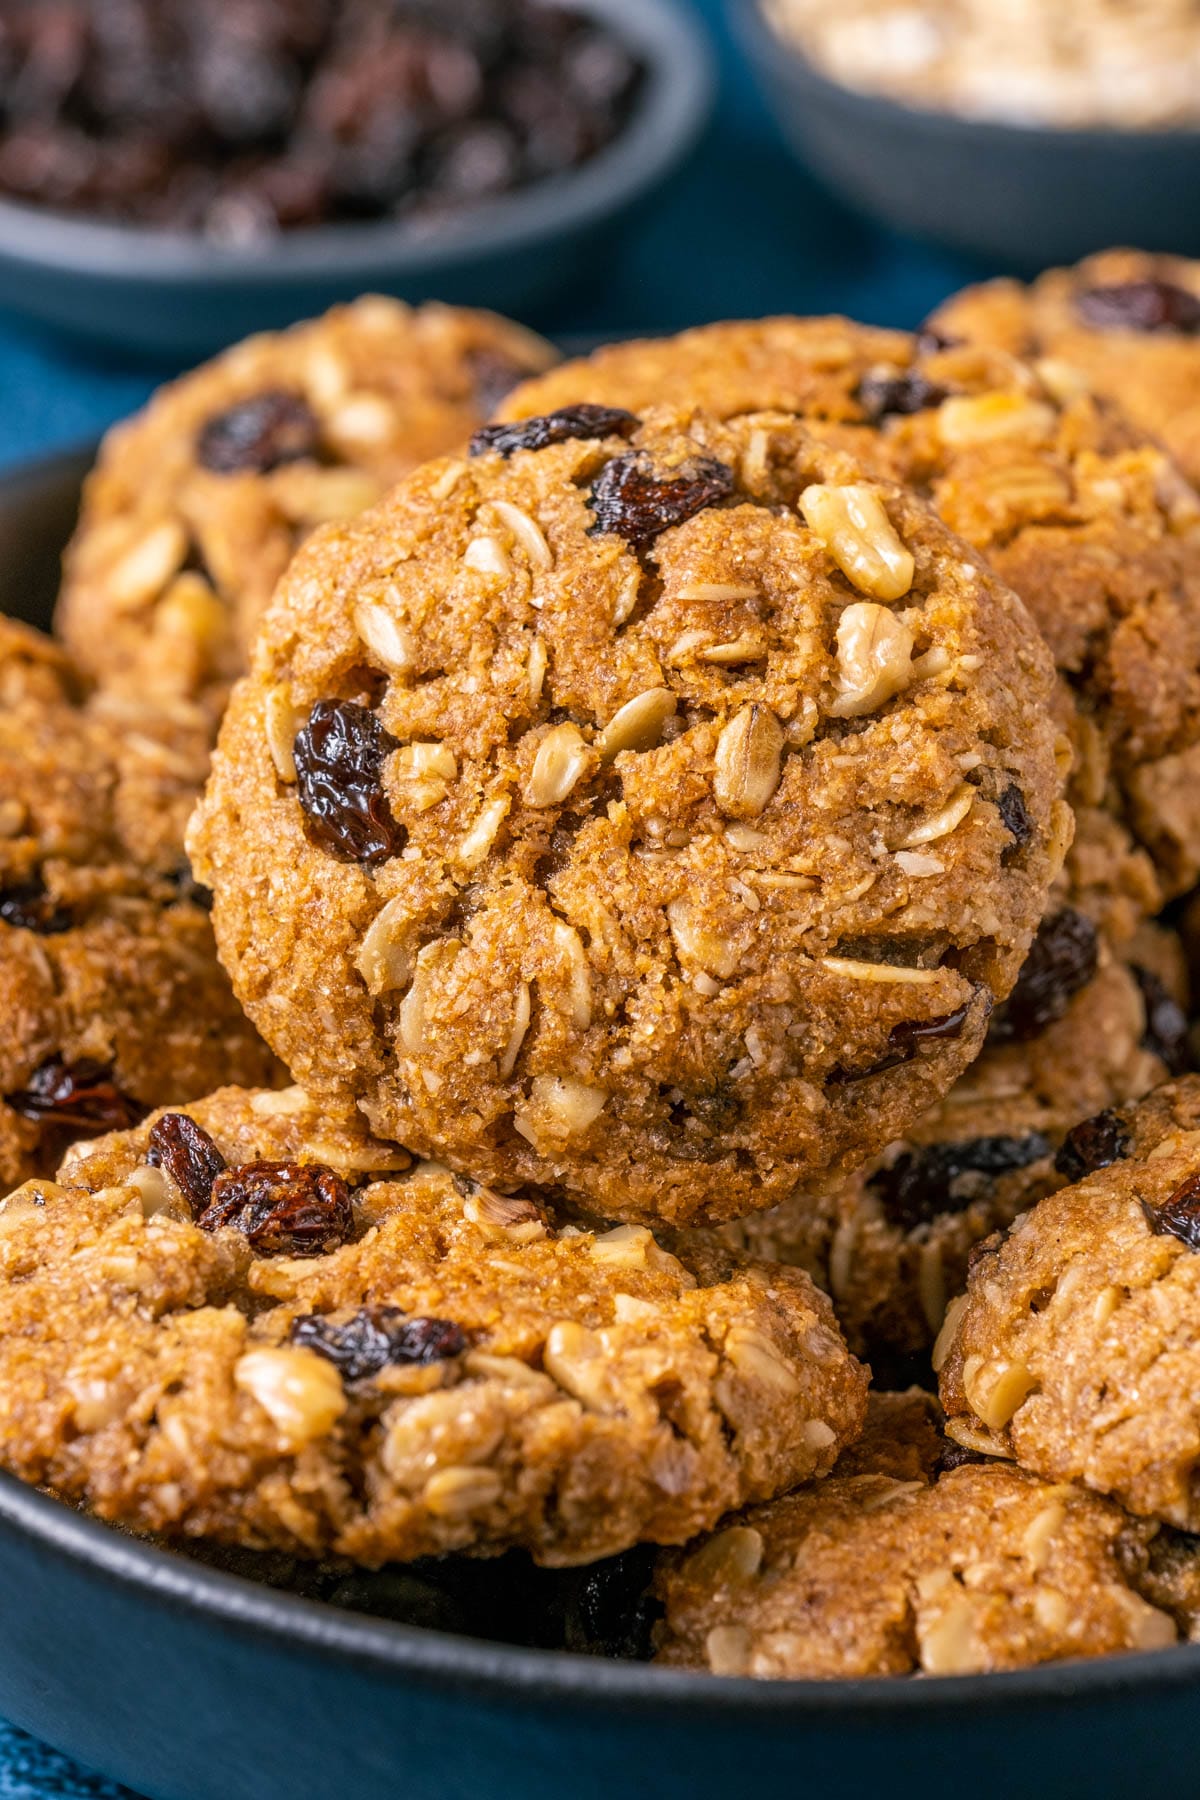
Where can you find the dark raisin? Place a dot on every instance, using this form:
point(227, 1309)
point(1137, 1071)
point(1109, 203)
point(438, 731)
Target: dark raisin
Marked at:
point(906, 1038)
point(282, 1208)
point(259, 434)
point(1140, 306)
point(377, 1336)
point(946, 1178)
point(584, 421)
point(28, 907)
point(1092, 1145)
point(188, 1155)
point(1166, 1033)
point(628, 498)
point(1178, 1216)
point(339, 763)
point(471, 163)
point(1014, 816)
point(1062, 959)
point(609, 1609)
point(81, 1097)
point(907, 391)
point(181, 116)
point(957, 1456)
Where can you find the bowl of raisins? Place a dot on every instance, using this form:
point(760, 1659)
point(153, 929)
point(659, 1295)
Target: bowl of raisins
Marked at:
point(176, 175)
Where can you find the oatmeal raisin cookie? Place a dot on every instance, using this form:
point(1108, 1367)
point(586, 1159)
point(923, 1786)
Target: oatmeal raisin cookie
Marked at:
point(891, 1567)
point(1076, 509)
point(648, 809)
point(248, 1322)
point(1075, 1348)
point(1126, 320)
point(197, 503)
point(1083, 1031)
point(110, 990)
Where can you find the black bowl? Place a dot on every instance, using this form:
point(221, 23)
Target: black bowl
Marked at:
point(1016, 196)
point(176, 294)
point(188, 1683)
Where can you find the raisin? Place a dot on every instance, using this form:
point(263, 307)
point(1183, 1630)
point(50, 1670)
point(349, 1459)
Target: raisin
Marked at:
point(1062, 959)
point(377, 1336)
point(609, 1608)
point(259, 434)
point(1092, 1145)
point(281, 1208)
point(1178, 1216)
point(28, 907)
point(630, 500)
point(908, 391)
point(945, 1178)
point(1140, 306)
point(471, 163)
point(81, 1097)
point(339, 763)
point(1166, 1033)
point(188, 1155)
point(585, 421)
point(298, 111)
point(957, 1456)
point(906, 1038)
point(1014, 816)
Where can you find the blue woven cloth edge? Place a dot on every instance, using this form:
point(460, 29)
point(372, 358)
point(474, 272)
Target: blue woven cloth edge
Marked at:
point(32, 1771)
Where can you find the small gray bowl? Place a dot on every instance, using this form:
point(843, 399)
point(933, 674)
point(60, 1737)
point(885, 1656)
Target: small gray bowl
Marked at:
point(1015, 196)
point(176, 294)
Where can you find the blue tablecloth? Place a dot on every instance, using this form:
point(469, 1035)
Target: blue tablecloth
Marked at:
point(741, 232)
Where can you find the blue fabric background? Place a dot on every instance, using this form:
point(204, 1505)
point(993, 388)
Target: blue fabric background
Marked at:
point(740, 232)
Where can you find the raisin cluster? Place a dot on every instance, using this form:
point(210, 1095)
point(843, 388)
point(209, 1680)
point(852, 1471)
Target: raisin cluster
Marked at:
point(252, 116)
point(280, 1208)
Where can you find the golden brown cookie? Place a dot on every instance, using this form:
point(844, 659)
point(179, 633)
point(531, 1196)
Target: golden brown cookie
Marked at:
point(1074, 1348)
point(1089, 521)
point(197, 503)
point(111, 994)
point(1083, 1030)
point(1126, 320)
point(647, 809)
point(892, 1568)
point(248, 1322)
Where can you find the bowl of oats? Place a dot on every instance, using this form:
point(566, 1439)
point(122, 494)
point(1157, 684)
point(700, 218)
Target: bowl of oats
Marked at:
point(1024, 134)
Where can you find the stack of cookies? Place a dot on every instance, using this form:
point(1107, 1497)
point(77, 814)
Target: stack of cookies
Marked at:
point(697, 842)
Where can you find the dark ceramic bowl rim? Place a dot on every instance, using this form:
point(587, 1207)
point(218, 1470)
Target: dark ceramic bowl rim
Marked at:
point(667, 116)
point(502, 1672)
point(508, 1672)
point(762, 42)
